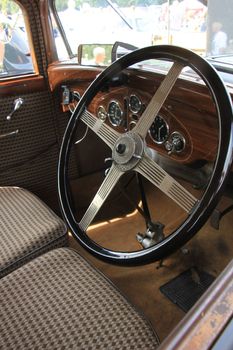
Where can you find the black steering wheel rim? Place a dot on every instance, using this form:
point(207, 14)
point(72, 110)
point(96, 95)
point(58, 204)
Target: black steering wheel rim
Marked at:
point(215, 187)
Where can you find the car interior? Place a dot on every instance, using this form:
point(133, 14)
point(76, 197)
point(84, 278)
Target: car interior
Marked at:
point(116, 180)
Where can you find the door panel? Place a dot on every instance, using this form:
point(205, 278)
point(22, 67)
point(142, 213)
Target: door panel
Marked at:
point(29, 159)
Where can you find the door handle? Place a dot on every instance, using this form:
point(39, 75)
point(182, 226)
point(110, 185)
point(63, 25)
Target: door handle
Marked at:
point(17, 104)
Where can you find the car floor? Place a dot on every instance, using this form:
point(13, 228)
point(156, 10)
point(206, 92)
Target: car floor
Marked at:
point(210, 250)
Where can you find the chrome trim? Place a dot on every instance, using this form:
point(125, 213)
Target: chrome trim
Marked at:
point(132, 124)
point(103, 114)
point(17, 104)
point(12, 133)
point(177, 133)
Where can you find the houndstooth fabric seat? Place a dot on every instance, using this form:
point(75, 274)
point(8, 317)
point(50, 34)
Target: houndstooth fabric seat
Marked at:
point(59, 301)
point(27, 228)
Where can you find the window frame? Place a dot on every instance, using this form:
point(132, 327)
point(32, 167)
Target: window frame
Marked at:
point(35, 72)
point(52, 8)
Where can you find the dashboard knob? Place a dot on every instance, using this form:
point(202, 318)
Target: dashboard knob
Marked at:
point(169, 147)
point(176, 143)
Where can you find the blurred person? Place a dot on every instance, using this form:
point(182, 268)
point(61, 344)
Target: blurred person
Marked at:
point(99, 56)
point(219, 41)
point(177, 14)
point(230, 46)
point(70, 16)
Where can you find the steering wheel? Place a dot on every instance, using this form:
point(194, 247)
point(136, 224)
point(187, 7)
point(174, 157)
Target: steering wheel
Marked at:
point(129, 153)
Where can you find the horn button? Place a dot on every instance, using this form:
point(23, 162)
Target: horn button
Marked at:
point(128, 151)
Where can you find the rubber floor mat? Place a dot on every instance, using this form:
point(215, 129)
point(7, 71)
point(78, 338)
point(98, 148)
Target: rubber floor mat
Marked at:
point(185, 289)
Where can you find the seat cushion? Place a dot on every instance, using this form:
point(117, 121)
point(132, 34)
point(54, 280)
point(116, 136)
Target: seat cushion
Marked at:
point(27, 228)
point(59, 301)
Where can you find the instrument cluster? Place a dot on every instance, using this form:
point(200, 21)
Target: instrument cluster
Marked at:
point(126, 114)
point(120, 114)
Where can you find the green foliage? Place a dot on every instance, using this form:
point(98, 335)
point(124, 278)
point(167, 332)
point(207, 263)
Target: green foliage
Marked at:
point(61, 5)
point(9, 7)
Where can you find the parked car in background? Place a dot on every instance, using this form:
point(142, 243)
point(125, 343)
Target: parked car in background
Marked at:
point(17, 57)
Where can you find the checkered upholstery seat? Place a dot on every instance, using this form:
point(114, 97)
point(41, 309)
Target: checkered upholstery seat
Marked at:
point(27, 228)
point(59, 301)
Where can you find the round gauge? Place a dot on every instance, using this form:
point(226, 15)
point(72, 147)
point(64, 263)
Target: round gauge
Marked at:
point(115, 113)
point(159, 130)
point(135, 104)
point(101, 113)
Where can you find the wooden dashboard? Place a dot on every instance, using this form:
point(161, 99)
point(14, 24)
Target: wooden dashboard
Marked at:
point(188, 112)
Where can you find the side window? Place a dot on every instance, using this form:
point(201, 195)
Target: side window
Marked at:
point(15, 54)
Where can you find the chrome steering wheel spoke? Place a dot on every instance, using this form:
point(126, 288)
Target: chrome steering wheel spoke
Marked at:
point(105, 189)
point(166, 183)
point(158, 100)
point(100, 128)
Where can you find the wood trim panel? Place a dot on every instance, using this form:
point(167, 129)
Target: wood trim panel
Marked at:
point(194, 92)
point(189, 108)
point(61, 73)
point(197, 125)
point(22, 85)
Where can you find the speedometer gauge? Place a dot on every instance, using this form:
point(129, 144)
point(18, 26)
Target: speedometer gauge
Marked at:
point(159, 130)
point(115, 113)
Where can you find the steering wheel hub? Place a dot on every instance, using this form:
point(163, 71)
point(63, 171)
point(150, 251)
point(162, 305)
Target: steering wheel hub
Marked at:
point(128, 151)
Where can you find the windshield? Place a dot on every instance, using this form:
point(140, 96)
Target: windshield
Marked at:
point(203, 26)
